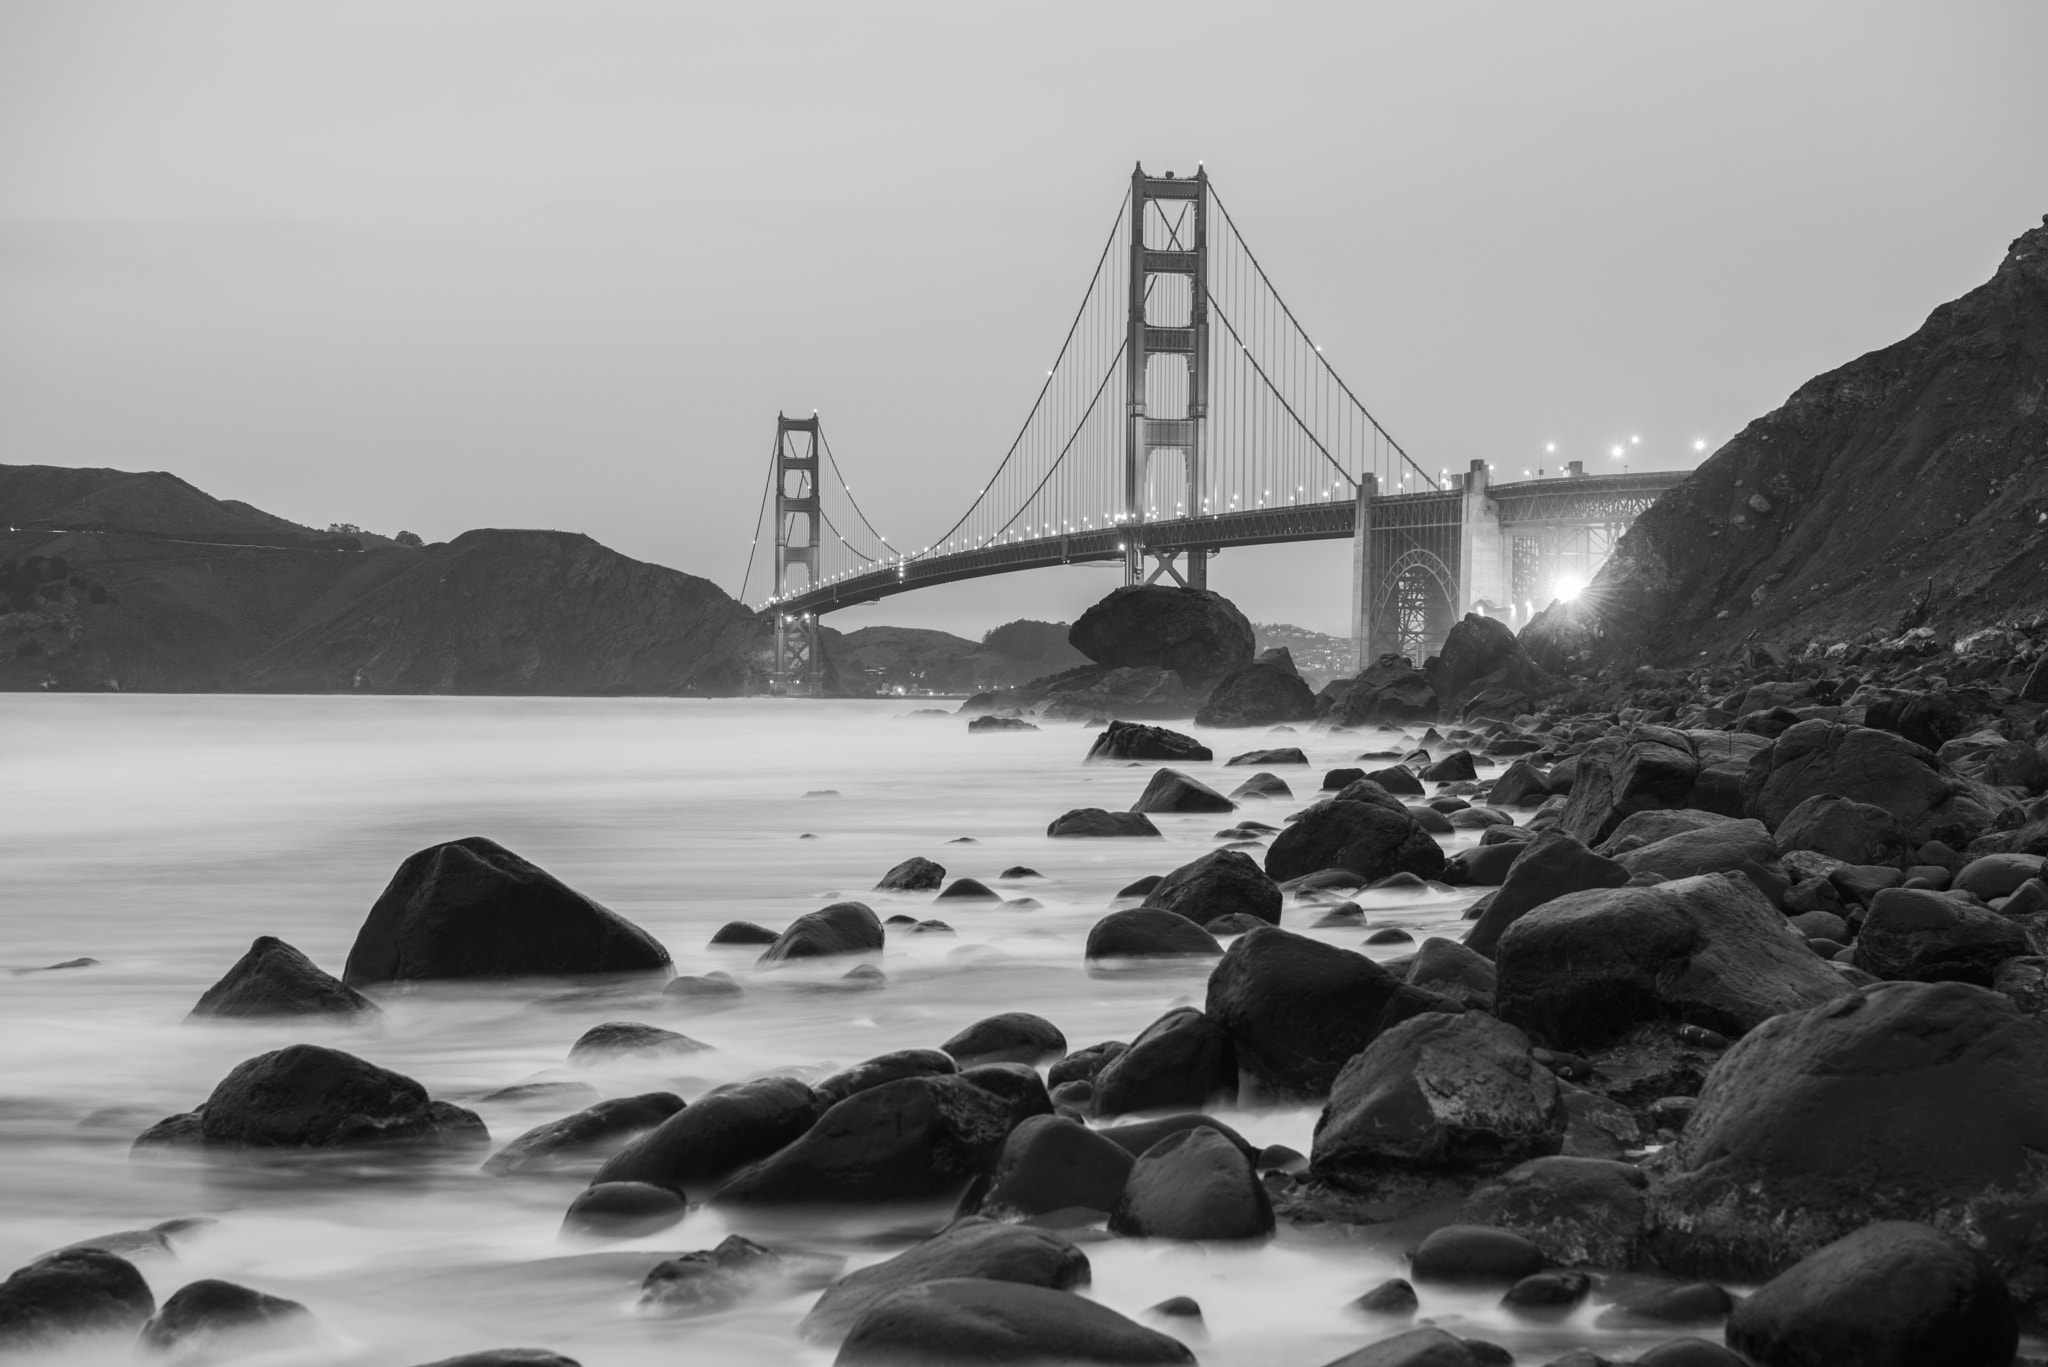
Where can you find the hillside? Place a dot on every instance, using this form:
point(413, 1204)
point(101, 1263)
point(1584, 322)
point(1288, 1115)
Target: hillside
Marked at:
point(1907, 487)
point(913, 659)
point(142, 582)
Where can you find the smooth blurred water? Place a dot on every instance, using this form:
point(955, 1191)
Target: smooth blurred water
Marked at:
point(159, 835)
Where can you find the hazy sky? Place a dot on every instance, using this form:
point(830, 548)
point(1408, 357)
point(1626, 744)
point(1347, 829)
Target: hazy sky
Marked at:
point(438, 264)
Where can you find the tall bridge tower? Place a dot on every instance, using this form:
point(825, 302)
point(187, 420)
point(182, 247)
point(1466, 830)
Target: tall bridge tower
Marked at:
point(799, 667)
point(1167, 403)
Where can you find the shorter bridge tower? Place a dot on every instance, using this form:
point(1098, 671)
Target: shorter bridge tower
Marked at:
point(799, 664)
point(1167, 406)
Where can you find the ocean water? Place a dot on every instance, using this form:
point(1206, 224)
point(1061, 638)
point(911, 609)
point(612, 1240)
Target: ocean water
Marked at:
point(160, 834)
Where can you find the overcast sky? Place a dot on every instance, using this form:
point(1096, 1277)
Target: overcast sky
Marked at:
point(439, 264)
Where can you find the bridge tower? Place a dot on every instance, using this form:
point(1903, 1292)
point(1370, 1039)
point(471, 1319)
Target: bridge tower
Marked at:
point(1166, 409)
point(799, 666)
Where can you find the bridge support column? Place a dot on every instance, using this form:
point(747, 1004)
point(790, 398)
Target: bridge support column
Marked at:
point(1485, 551)
point(1362, 576)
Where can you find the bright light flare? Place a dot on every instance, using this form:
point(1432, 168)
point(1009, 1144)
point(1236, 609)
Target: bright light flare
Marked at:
point(1570, 587)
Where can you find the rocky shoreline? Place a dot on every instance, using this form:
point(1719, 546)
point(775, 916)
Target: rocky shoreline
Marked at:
point(1756, 996)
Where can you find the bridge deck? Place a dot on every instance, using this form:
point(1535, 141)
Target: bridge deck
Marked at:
point(1586, 499)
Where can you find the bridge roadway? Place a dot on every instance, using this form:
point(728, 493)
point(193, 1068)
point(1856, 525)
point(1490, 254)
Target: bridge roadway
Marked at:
point(1581, 500)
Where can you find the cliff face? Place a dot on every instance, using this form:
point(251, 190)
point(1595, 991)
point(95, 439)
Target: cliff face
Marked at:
point(142, 582)
point(1910, 483)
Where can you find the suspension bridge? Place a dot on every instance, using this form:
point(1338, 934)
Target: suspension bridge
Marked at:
point(1188, 412)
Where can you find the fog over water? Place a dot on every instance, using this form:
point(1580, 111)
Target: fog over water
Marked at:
point(159, 835)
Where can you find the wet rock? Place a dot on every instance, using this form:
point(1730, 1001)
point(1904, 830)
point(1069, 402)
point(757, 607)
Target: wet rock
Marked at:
point(589, 1136)
point(1095, 822)
point(1050, 1163)
point(1172, 791)
point(507, 1357)
point(1892, 1294)
point(1425, 1347)
point(1667, 1303)
point(1268, 690)
point(1177, 1308)
point(915, 874)
point(1262, 787)
point(1139, 1135)
point(842, 928)
point(1147, 933)
point(1547, 868)
point(1083, 1064)
point(868, 978)
point(1194, 1184)
point(1922, 936)
point(1352, 831)
point(1129, 740)
point(75, 1291)
point(1290, 754)
point(308, 1096)
point(1521, 784)
point(1455, 767)
point(705, 992)
point(623, 1210)
point(1220, 883)
point(202, 1310)
point(1547, 1294)
point(992, 723)
point(742, 933)
point(1707, 951)
point(1387, 693)
point(1017, 1084)
point(1690, 1352)
point(1438, 1093)
point(1724, 847)
point(473, 909)
point(917, 1139)
point(968, 890)
point(880, 1069)
point(1923, 1101)
point(274, 979)
point(970, 1247)
point(1475, 1255)
point(701, 1145)
point(1198, 633)
point(1182, 1059)
point(1398, 780)
point(1449, 969)
point(621, 1039)
point(1393, 1297)
point(714, 1279)
point(186, 1130)
point(1579, 1212)
point(1237, 923)
point(1484, 866)
point(1296, 1010)
point(944, 1323)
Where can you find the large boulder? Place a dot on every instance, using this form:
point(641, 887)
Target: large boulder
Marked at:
point(1924, 936)
point(274, 979)
point(1182, 1059)
point(971, 1319)
point(1296, 1009)
point(873, 1072)
point(1845, 829)
point(588, 1136)
point(1581, 1212)
point(915, 1140)
point(915, 874)
point(831, 932)
point(1709, 951)
point(1481, 653)
point(1147, 933)
point(1893, 1294)
point(1128, 740)
point(1172, 791)
point(1547, 868)
point(1438, 1093)
point(1921, 1101)
point(473, 909)
point(1267, 692)
point(209, 1309)
point(1198, 634)
point(1050, 1163)
point(1372, 839)
point(1095, 823)
point(1388, 692)
point(1724, 847)
point(309, 1096)
point(970, 1247)
point(1193, 1184)
point(1220, 883)
point(696, 1148)
point(72, 1291)
point(1007, 1037)
point(1863, 764)
point(1652, 767)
